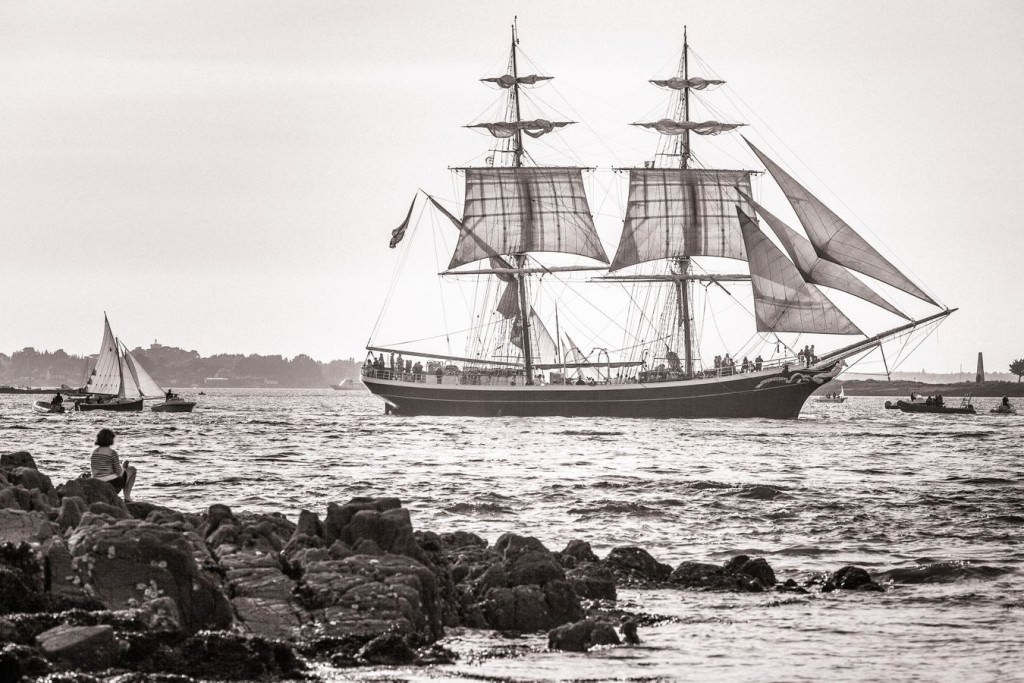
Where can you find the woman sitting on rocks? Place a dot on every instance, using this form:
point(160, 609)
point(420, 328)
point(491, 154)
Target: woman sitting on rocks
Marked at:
point(106, 467)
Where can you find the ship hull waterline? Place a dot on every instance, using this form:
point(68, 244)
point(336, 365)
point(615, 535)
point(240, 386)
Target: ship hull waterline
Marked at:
point(115, 405)
point(778, 394)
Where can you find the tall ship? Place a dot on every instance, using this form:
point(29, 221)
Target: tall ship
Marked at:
point(711, 306)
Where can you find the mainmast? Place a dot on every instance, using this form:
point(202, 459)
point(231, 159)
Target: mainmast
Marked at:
point(683, 150)
point(517, 162)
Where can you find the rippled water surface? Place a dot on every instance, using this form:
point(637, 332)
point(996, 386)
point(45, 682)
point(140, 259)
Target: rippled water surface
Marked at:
point(845, 484)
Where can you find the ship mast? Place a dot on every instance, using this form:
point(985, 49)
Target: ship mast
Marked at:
point(683, 151)
point(517, 162)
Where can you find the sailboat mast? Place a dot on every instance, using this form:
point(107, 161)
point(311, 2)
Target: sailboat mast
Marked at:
point(683, 285)
point(517, 162)
point(120, 368)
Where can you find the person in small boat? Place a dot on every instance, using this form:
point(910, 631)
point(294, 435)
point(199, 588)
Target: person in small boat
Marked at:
point(938, 400)
point(1005, 405)
point(169, 396)
point(106, 466)
point(57, 400)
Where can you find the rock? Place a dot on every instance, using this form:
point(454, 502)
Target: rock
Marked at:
point(91, 491)
point(115, 511)
point(228, 656)
point(160, 615)
point(309, 524)
point(17, 661)
point(71, 510)
point(739, 573)
point(582, 635)
point(579, 551)
point(635, 565)
point(216, 515)
point(592, 580)
point(31, 478)
point(850, 577)
point(390, 530)
point(61, 581)
point(389, 648)
point(18, 525)
point(85, 647)
point(760, 493)
point(462, 539)
point(339, 516)
point(511, 546)
point(629, 633)
point(128, 562)
point(757, 568)
point(533, 567)
point(17, 459)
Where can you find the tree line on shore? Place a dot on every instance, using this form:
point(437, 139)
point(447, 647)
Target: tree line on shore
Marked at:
point(175, 367)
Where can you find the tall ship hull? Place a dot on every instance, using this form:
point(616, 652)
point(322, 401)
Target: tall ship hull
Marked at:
point(777, 393)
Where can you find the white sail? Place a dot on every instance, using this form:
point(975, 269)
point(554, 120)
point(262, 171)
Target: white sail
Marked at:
point(833, 238)
point(576, 356)
point(670, 127)
point(534, 128)
point(682, 212)
point(508, 80)
point(524, 210)
point(680, 83)
point(817, 270)
point(105, 378)
point(783, 300)
point(143, 382)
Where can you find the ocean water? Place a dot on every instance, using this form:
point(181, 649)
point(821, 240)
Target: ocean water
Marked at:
point(845, 484)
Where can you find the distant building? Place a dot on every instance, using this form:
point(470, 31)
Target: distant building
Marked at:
point(980, 376)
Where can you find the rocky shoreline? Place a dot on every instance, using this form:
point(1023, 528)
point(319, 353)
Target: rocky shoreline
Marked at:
point(93, 588)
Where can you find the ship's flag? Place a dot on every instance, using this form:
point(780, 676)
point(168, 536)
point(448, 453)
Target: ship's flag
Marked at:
point(398, 233)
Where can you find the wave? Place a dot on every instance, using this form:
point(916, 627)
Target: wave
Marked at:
point(478, 508)
point(943, 572)
point(617, 508)
point(588, 432)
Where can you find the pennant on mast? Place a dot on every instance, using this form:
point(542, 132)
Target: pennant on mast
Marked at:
point(833, 238)
point(398, 233)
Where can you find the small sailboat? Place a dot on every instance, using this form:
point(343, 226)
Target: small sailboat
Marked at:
point(118, 382)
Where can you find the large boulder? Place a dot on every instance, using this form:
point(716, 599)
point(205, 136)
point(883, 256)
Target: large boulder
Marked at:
point(850, 577)
point(128, 562)
point(365, 595)
point(740, 573)
point(339, 516)
point(91, 491)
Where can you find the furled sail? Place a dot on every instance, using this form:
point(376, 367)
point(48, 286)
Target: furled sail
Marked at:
point(832, 238)
point(783, 300)
point(508, 80)
point(519, 210)
point(534, 128)
point(143, 381)
point(105, 378)
point(817, 270)
point(682, 212)
point(693, 82)
point(670, 127)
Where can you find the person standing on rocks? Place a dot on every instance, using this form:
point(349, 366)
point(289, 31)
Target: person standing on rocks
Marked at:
point(106, 466)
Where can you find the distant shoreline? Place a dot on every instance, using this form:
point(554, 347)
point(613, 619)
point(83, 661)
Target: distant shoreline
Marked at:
point(872, 387)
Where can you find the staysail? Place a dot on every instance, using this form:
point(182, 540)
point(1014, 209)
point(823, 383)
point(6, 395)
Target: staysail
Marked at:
point(833, 238)
point(519, 210)
point(817, 270)
point(676, 212)
point(783, 300)
point(105, 378)
point(143, 382)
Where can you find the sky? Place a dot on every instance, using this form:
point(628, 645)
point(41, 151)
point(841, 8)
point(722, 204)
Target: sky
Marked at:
point(224, 175)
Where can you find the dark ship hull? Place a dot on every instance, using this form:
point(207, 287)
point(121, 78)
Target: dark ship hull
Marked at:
point(777, 393)
point(119, 405)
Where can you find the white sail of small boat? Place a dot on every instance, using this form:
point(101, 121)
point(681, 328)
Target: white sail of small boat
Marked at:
point(527, 229)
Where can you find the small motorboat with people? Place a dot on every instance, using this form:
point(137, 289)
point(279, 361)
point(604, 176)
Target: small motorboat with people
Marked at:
point(932, 404)
point(51, 407)
point(834, 396)
point(173, 403)
point(1004, 408)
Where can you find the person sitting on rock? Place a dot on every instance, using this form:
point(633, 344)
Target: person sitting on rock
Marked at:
point(106, 467)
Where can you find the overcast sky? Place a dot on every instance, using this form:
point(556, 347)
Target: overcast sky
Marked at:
point(223, 176)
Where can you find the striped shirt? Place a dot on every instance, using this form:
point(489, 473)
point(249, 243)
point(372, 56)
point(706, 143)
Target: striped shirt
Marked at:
point(104, 463)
